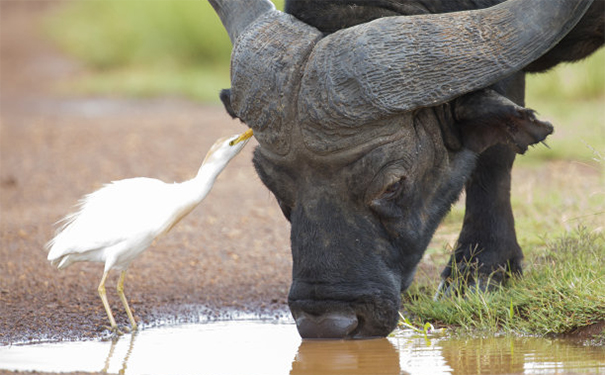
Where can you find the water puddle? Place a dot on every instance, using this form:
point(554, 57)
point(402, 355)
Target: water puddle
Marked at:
point(258, 347)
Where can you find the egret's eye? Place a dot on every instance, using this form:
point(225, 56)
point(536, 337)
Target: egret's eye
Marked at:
point(392, 191)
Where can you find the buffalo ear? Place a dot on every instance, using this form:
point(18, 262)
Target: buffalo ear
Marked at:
point(225, 96)
point(486, 118)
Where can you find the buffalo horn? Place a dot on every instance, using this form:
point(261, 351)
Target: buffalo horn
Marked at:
point(397, 64)
point(236, 15)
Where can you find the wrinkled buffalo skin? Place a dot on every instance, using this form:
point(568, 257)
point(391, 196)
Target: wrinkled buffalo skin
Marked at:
point(364, 178)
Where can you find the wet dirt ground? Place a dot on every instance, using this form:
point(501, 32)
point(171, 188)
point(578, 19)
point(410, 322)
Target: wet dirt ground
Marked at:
point(230, 254)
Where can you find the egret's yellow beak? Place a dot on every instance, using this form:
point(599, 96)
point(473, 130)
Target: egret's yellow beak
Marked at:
point(245, 135)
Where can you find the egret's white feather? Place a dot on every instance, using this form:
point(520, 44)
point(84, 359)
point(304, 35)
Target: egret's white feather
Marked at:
point(120, 220)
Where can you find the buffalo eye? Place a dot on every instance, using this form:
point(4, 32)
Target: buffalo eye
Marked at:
point(393, 190)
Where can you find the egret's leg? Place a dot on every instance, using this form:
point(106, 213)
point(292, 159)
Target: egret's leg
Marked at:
point(103, 295)
point(124, 301)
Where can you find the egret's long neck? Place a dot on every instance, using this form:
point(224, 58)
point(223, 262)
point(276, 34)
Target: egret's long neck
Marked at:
point(201, 184)
point(188, 194)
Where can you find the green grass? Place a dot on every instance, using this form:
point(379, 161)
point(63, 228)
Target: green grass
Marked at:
point(554, 191)
point(564, 280)
point(579, 81)
point(143, 48)
point(562, 289)
point(572, 97)
point(189, 82)
point(136, 32)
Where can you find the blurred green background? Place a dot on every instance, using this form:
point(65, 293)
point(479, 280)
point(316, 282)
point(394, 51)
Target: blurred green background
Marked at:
point(146, 48)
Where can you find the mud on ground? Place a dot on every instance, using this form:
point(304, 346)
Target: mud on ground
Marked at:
point(230, 254)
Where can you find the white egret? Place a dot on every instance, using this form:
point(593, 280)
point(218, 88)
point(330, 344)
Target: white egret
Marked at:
point(116, 223)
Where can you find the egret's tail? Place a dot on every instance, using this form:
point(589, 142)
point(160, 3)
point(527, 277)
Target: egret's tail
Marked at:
point(56, 256)
point(61, 261)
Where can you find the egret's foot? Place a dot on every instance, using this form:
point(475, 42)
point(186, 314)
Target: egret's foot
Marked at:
point(115, 331)
point(130, 329)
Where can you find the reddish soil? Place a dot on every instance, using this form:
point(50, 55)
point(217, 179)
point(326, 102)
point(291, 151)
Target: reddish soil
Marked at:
point(230, 254)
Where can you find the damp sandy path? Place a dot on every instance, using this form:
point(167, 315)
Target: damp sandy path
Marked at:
point(231, 253)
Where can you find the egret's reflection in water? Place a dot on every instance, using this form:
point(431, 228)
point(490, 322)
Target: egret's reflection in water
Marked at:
point(257, 347)
point(112, 348)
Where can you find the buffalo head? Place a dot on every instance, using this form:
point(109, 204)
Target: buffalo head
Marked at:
point(362, 139)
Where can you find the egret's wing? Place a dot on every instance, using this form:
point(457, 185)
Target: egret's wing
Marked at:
point(115, 213)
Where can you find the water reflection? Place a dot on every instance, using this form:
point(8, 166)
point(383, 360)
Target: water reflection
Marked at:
point(378, 356)
point(256, 347)
point(520, 355)
point(485, 356)
point(112, 348)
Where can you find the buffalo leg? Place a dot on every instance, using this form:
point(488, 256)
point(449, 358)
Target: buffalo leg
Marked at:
point(487, 249)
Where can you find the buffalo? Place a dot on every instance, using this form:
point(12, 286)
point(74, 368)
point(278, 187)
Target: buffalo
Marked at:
point(373, 116)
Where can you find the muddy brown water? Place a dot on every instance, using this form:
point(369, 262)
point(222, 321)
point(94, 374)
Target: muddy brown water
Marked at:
point(273, 347)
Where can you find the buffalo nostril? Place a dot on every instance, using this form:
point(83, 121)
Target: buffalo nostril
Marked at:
point(327, 326)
